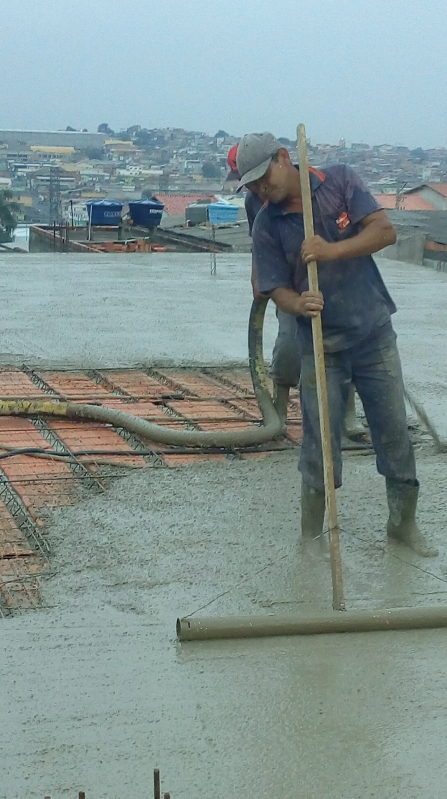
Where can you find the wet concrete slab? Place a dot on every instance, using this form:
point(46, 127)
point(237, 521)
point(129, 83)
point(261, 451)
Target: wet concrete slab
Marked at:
point(70, 311)
point(95, 691)
point(102, 311)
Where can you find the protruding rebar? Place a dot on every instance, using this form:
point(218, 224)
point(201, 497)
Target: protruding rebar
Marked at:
point(156, 783)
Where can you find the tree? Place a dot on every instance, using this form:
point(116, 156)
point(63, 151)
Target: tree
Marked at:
point(9, 209)
point(104, 128)
point(93, 153)
point(133, 130)
point(123, 135)
point(221, 134)
point(283, 140)
point(210, 170)
point(70, 129)
point(144, 138)
point(418, 154)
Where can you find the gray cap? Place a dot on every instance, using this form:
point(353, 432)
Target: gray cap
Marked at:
point(254, 154)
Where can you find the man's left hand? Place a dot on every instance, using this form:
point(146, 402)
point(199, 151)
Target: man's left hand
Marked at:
point(316, 248)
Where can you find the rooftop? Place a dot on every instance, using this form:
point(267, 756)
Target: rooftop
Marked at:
point(409, 202)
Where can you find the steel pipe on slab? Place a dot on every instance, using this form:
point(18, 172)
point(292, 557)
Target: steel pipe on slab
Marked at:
point(271, 428)
point(204, 629)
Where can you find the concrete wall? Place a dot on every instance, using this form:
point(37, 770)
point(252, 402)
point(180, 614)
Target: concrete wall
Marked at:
point(43, 240)
point(435, 256)
point(17, 139)
point(440, 266)
point(408, 247)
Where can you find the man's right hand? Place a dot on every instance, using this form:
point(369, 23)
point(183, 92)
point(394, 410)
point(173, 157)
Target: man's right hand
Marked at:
point(310, 303)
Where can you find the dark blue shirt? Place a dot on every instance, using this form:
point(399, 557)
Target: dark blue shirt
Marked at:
point(355, 297)
point(252, 207)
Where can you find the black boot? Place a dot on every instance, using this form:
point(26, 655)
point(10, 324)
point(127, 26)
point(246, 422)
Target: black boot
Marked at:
point(402, 526)
point(312, 518)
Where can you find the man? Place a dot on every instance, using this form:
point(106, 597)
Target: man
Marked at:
point(286, 360)
point(355, 307)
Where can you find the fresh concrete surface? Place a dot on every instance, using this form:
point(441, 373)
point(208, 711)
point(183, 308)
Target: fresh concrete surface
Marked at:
point(95, 692)
point(101, 310)
point(74, 311)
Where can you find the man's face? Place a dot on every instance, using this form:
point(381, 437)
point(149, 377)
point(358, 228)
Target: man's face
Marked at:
point(273, 186)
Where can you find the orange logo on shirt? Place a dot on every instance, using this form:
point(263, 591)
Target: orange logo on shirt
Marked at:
point(343, 221)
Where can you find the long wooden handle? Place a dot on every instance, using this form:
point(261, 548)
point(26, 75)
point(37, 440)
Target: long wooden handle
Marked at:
point(323, 407)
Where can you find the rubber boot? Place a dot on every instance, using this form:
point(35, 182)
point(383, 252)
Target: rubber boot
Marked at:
point(402, 526)
point(313, 506)
point(280, 401)
point(353, 427)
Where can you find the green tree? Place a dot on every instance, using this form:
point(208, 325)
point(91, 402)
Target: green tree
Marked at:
point(93, 153)
point(418, 155)
point(104, 128)
point(210, 170)
point(9, 209)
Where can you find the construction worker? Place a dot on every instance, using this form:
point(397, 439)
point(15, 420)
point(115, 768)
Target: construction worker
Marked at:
point(286, 359)
point(355, 308)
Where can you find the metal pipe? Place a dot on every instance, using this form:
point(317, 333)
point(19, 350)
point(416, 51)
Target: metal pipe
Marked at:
point(187, 438)
point(192, 629)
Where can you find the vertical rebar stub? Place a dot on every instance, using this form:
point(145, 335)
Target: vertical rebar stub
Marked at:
point(156, 783)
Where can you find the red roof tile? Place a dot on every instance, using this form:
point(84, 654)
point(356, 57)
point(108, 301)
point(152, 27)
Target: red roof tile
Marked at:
point(409, 202)
point(175, 204)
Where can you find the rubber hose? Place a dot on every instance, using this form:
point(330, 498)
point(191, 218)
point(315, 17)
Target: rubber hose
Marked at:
point(192, 438)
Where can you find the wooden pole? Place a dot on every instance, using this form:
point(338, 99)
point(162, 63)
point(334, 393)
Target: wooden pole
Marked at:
point(338, 601)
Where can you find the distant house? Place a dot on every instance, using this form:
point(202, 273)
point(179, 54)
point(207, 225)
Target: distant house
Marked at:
point(407, 202)
point(176, 204)
point(434, 193)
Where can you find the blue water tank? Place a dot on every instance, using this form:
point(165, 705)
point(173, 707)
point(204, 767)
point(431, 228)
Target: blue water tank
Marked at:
point(104, 212)
point(222, 213)
point(147, 213)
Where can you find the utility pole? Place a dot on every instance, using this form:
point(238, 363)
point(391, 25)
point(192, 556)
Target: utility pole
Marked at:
point(55, 195)
point(400, 193)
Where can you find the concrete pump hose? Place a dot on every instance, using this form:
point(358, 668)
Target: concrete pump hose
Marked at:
point(165, 435)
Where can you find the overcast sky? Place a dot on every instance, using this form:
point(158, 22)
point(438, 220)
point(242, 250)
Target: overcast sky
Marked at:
point(367, 70)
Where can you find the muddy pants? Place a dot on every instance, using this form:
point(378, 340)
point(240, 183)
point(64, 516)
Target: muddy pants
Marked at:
point(374, 367)
point(286, 358)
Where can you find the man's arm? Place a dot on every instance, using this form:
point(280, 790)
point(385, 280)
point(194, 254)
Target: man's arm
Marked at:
point(377, 232)
point(256, 293)
point(274, 275)
point(309, 303)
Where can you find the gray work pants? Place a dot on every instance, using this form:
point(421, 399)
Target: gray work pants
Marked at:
point(374, 367)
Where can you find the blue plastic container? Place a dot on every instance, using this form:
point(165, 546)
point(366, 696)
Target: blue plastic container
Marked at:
point(104, 212)
point(147, 213)
point(222, 213)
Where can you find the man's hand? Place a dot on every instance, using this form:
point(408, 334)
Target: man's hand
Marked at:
point(377, 232)
point(310, 303)
point(315, 248)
